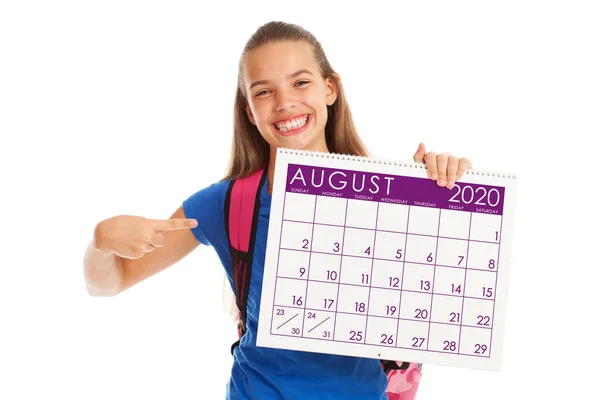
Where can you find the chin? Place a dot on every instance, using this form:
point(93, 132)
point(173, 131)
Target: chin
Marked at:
point(294, 144)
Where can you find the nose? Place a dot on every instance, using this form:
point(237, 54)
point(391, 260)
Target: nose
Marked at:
point(284, 101)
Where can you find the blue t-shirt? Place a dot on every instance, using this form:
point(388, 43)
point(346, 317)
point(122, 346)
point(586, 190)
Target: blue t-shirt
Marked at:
point(260, 373)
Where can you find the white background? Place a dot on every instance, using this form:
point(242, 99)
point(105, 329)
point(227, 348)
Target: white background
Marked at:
point(124, 107)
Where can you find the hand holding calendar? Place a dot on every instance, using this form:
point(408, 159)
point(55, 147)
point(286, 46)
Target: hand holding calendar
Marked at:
point(371, 258)
point(443, 168)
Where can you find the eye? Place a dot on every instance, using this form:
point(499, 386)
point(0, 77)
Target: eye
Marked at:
point(302, 83)
point(260, 93)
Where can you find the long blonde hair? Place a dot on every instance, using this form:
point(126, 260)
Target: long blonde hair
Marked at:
point(249, 151)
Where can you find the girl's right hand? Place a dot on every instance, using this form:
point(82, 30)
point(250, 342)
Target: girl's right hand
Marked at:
point(130, 236)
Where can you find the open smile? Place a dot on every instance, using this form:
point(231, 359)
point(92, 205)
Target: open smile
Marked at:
point(293, 126)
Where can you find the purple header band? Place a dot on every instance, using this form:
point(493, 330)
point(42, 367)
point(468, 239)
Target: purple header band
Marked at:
point(395, 189)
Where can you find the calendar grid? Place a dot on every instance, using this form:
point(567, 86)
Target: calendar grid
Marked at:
point(371, 273)
point(344, 255)
point(433, 278)
point(464, 291)
point(312, 237)
point(340, 273)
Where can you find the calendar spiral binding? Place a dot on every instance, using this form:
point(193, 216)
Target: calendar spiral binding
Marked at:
point(383, 161)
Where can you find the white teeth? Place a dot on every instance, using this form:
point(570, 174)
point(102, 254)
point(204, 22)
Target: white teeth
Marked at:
point(293, 124)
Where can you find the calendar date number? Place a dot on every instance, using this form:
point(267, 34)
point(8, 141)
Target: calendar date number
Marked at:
point(449, 345)
point(480, 348)
point(387, 339)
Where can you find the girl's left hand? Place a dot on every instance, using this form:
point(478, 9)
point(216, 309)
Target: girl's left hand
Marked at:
point(444, 168)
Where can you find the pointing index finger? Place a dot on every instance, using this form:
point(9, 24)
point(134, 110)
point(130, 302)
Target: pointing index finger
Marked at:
point(173, 224)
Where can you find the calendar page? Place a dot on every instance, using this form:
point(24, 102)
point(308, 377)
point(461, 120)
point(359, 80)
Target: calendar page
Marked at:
point(370, 258)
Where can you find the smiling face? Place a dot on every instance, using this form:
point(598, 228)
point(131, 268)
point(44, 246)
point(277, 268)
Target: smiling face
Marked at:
point(287, 96)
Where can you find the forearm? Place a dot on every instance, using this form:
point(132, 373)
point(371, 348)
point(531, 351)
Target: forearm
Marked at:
point(103, 271)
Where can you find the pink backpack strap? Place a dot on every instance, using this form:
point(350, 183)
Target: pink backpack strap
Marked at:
point(244, 194)
point(242, 204)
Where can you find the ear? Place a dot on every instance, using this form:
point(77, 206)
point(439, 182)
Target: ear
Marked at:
point(331, 89)
point(250, 115)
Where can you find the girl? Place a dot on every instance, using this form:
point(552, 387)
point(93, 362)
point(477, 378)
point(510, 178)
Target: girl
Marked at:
point(288, 95)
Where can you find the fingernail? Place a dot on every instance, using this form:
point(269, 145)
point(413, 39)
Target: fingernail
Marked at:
point(442, 182)
point(450, 184)
point(434, 176)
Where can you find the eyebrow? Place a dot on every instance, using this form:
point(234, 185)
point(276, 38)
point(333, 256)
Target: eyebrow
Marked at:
point(295, 74)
